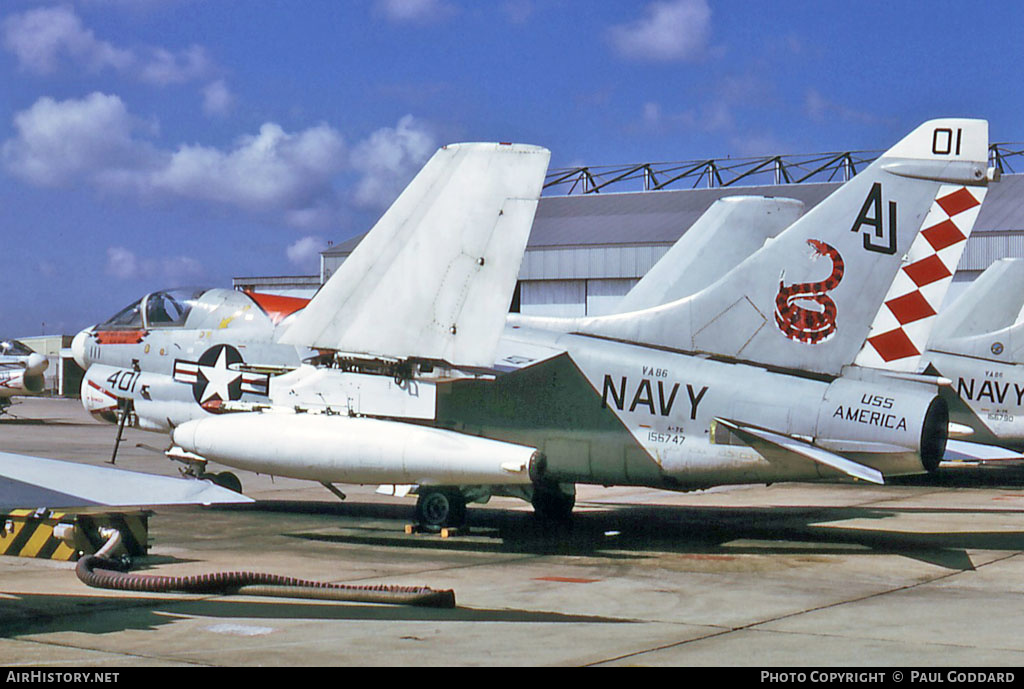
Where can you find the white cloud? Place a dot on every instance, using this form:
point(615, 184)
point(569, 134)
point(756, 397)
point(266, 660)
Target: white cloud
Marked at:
point(58, 142)
point(181, 270)
point(518, 11)
point(273, 169)
point(819, 108)
point(48, 268)
point(39, 38)
point(290, 176)
point(669, 30)
point(305, 253)
point(217, 98)
point(388, 159)
point(162, 67)
point(123, 264)
point(43, 39)
point(711, 116)
point(414, 10)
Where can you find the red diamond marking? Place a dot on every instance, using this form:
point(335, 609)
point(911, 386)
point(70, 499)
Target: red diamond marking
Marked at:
point(910, 307)
point(927, 270)
point(957, 202)
point(944, 234)
point(893, 345)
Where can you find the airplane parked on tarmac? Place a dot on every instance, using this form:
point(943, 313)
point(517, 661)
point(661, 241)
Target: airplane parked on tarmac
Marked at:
point(729, 231)
point(218, 345)
point(798, 364)
point(967, 343)
point(978, 343)
point(21, 372)
point(175, 355)
point(180, 354)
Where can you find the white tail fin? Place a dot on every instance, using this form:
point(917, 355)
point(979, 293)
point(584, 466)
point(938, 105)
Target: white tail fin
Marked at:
point(433, 279)
point(985, 322)
point(902, 327)
point(992, 302)
point(781, 307)
point(729, 231)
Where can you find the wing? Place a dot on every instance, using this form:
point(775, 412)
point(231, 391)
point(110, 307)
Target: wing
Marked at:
point(28, 482)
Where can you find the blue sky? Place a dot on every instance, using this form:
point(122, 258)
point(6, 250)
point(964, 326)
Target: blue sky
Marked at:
point(156, 143)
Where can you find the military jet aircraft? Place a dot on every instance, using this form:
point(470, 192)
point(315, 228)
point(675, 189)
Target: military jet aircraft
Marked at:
point(21, 372)
point(130, 377)
point(729, 231)
point(978, 343)
point(179, 354)
point(797, 364)
point(218, 342)
point(181, 335)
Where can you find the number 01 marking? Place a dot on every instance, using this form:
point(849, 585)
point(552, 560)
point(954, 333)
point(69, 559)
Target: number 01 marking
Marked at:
point(943, 141)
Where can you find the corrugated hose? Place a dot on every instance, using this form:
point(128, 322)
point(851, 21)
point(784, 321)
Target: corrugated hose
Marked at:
point(100, 572)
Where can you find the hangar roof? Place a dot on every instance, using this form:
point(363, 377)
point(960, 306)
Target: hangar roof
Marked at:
point(660, 217)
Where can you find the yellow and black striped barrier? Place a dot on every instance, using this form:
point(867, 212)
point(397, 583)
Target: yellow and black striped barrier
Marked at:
point(30, 533)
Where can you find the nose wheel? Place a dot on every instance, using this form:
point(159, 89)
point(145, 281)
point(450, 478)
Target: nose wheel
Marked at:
point(554, 502)
point(439, 507)
point(225, 479)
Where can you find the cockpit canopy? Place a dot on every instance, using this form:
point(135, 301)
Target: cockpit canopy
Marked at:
point(167, 308)
point(14, 348)
point(202, 308)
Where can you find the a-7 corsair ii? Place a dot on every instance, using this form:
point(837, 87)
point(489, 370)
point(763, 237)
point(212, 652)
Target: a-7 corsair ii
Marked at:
point(21, 372)
point(798, 364)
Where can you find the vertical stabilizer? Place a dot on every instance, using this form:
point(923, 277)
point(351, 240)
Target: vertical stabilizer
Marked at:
point(730, 230)
point(851, 279)
point(992, 302)
point(433, 279)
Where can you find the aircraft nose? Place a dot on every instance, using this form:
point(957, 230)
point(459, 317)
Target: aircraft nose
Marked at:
point(36, 363)
point(78, 348)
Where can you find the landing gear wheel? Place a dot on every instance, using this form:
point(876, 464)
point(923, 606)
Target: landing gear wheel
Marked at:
point(225, 479)
point(551, 503)
point(437, 507)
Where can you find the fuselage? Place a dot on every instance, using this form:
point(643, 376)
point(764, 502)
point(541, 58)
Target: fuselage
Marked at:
point(175, 354)
point(615, 413)
point(986, 395)
point(600, 411)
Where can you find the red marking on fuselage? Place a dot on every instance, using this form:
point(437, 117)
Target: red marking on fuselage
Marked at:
point(120, 336)
point(276, 306)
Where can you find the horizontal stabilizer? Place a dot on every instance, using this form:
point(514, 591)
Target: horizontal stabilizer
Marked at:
point(435, 276)
point(963, 451)
point(796, 447)
point(31, 482)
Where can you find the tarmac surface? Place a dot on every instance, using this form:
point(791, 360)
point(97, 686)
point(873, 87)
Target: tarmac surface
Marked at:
point(926, 573)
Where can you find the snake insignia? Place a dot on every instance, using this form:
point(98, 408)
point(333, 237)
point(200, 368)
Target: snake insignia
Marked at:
point(810, 325)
